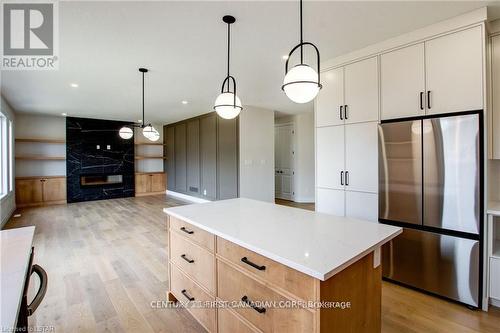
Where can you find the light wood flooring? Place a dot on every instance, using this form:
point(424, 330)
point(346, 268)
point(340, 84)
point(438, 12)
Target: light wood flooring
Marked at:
point(106, 262)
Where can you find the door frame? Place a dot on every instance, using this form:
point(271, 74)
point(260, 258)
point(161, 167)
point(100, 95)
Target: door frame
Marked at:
point(292, 124)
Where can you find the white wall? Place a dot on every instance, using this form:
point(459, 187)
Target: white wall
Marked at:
point(8, 203)
point(304, 154)
point(257, 154)
point(40, 126)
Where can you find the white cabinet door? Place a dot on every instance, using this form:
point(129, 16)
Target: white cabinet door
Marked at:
point(361, 151)
point(361, 205)
point(330, 98)
point(495, 84)
point(330, 157)
point(330, 201)
point(454, 71)
point(495, 278)
point(361, 91)
point(402, 82)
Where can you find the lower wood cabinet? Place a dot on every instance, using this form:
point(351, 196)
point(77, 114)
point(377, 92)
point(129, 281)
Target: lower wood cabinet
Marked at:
point(228, 288)
point(150, 183)
point(36, 191)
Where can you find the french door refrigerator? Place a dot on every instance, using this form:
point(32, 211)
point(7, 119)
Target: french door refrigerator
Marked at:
point(430, 183)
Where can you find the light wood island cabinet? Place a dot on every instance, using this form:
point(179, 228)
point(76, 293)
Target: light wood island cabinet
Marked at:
point(246, 291)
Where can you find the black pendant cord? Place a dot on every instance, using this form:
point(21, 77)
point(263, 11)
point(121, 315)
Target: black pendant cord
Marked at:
point(301, 39)
point(143, 120)
point(228, 50)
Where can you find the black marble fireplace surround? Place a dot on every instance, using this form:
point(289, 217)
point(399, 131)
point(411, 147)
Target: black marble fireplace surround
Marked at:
point(96, 157)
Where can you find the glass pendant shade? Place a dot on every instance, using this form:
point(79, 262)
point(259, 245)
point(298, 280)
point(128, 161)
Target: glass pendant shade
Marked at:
point(225, 106)
point(150, 133)
point(301, 84)
point(126, 133)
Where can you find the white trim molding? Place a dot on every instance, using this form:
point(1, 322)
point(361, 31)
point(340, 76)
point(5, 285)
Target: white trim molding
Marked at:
point(186, 197)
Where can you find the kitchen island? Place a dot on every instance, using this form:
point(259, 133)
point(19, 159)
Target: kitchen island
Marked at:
point(242, 265)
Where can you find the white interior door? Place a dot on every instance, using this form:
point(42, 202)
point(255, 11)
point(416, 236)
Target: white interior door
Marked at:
point(330, 98)
point(402, 81)
point(454, 71)
point(330, 157)
point(330, 201)
point(361, 91)
point(284, 160)
point(361, 145)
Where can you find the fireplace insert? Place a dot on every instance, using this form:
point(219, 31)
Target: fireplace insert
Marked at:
point(100, 180)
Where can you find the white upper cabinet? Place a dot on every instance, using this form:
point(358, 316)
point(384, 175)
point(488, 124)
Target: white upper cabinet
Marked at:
point(330, 98)
point(330, 157)
point(361, 91)
point(495, 95)
point(454, 72)
point(402, 82)
point(361, 157)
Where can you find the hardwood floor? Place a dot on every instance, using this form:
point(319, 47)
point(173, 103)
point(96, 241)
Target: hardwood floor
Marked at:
point(106, 262)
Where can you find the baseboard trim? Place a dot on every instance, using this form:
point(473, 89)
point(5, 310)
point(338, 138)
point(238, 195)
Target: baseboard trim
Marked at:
point(495, 302)
point(186, 197)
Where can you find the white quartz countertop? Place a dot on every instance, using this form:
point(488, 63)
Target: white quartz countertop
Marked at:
point(317, 244)
point(15, 250)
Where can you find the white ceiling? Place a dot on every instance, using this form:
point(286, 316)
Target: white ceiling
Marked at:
point(102, 44)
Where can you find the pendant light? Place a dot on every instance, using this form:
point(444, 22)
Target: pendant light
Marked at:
point(228, 105)
point(301, 83)
point(148, 130)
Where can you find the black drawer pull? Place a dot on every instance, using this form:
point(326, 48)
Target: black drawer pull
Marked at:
point(187, 231)
point(341, 114)
point(246, 300)
point(254, 265)
point(187, 259)
point(186, 295)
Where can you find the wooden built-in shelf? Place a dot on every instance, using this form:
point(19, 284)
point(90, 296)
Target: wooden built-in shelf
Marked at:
point(149, 173)
point(39, 177)
point(150, 157)
point(41, 158)
point(149, 144)
point(40, 140)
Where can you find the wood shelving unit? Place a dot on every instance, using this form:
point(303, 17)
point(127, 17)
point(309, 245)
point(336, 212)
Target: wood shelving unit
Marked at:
point(41, 158)
point(40, 140)
point(150, 157)
point(149, 144)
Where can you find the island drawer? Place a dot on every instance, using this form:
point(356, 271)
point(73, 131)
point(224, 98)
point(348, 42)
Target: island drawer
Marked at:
point(186, 290)
point(201, 237)
point(295, 282)
point(194, 260)
point(230, 323)
point(234, 285)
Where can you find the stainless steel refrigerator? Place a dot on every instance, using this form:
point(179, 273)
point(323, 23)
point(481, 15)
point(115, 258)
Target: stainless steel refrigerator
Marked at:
point(430, 183)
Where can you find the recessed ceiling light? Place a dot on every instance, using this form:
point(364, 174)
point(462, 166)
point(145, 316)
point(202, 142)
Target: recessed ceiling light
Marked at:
point(64, 114)
point(285, 57)
point(184, 102)
point(139, 120)
point(74, 85)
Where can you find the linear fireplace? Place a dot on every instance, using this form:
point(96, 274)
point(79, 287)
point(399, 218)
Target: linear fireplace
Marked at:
point(100, 180)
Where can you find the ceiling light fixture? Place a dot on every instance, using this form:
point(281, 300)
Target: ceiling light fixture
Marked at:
point(148, 130)
point(64, 114)
point(184, 102)
point(301, 83)
point(74, 85)
point(228, 105)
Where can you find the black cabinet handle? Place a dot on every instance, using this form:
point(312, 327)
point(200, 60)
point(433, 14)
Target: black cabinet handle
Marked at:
point(246, 300)
point(38, 270)
point(347, 178)
point(187, 231)
point(341, 177)
point(187, 259)
point(341, 113)
point(428, 99)
point(254, 265)
point(183, 291)
point(346, 112)
point(421, 100)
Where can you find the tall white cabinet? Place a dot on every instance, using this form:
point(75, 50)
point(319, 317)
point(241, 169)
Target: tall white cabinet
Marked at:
point(441, 75)
point(346, 141)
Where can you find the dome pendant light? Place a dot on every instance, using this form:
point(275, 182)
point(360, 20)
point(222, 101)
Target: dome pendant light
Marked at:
point(228, 105)
point(301, 83)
